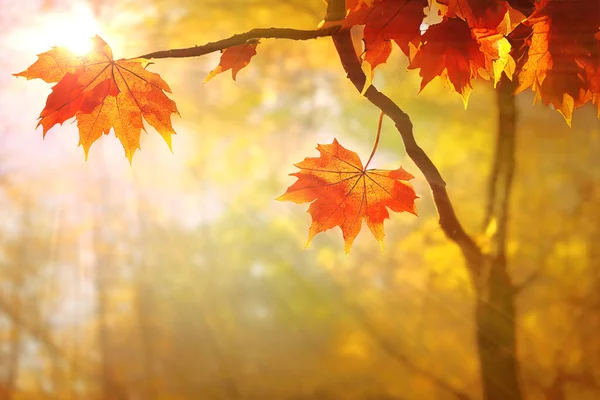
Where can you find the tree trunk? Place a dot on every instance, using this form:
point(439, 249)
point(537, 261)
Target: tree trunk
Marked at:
point(496, 335)
point(495, 308)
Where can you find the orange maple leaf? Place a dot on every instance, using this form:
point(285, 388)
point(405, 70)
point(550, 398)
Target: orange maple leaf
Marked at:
point(449, 50)
point(342, 193)
point(563, 55)
point(234, 58)
point(101, 94)
point(386, 21)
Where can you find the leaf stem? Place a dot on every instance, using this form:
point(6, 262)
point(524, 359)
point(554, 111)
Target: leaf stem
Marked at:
point(376, 139)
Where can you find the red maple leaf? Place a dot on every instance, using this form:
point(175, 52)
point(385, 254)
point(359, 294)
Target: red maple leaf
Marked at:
point(103, 94)
point(386, 21)
point(234, 58)
point(449, 50)
point(563, 56)
point(344, 193)
point(486, 14)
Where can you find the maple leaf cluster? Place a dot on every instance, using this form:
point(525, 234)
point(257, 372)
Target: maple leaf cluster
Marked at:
point(550, 46)
point(562, 65)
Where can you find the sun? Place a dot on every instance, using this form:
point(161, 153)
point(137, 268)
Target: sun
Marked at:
point(72, 28)
point(77, 45)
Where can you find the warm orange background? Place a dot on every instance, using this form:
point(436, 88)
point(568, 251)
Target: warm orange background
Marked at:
point(180, 277)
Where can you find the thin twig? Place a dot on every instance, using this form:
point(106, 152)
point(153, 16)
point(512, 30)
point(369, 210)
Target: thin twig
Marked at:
point(241, 38)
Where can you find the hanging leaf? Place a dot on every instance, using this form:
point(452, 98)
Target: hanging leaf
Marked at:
point(234, 58)
point(344, 193)
point(103, 94)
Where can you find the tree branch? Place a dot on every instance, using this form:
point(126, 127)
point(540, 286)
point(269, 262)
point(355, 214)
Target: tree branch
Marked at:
point(336, 10)
point(447, 217)
point(241, 38)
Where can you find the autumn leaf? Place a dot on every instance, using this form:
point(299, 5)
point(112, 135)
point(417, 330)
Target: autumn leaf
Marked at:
point(103, 94)
point(377, 49)
point(344, 193)
point(386, 21)
point(563, 54)
point(352, 5)
point(234, 58)
point(458, 54)
point(449, 50)
point(498, 59)
point(52, 65)
point(487, 14)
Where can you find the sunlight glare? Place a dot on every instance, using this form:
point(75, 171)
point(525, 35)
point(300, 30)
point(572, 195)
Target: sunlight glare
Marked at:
point(72, 28)
point(78, 46)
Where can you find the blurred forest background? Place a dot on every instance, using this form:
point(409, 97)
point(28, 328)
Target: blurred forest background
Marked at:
point(181, 277)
